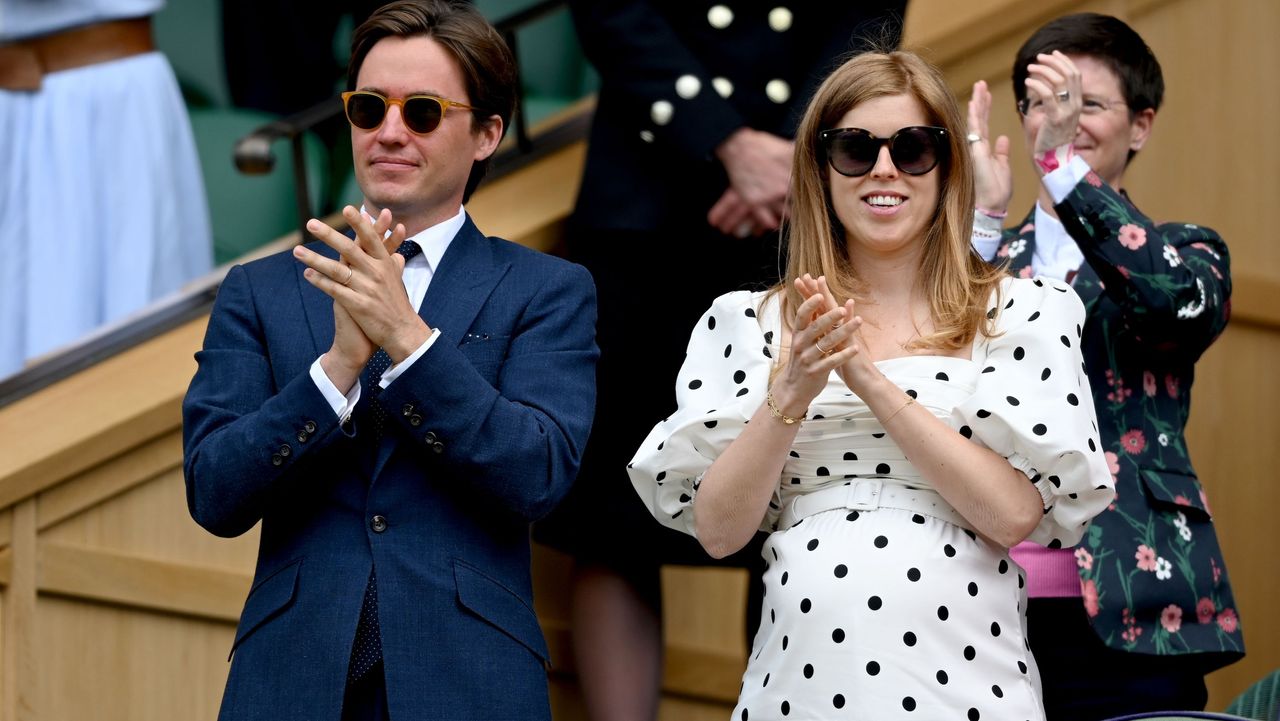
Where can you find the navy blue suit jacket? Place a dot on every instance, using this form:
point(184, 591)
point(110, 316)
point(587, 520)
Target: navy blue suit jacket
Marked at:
point(484, 435)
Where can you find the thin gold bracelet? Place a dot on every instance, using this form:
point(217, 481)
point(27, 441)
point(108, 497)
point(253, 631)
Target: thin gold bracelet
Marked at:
point(910, 400)
point(776, 413)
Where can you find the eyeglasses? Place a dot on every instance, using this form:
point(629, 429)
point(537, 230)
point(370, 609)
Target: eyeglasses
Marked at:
point(914, 150)
point(1090, 106)
point(421, 113)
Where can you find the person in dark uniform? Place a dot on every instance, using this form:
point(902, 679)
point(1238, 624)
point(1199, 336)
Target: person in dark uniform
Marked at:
point(681, 200)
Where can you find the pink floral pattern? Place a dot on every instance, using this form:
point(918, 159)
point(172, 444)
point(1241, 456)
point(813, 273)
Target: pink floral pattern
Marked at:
point(1113, 464)
point(1132, 236)
point(1133, 290)
point(1133, 442)
point(1089, 589)
point(1228, 621)
point(1146, 558)
point(1084, 559)
point(1205, 610)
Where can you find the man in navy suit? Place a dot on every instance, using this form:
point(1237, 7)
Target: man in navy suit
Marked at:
point(396, 414)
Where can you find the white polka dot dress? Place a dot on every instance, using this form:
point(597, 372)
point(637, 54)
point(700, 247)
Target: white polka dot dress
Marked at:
point(895, 611)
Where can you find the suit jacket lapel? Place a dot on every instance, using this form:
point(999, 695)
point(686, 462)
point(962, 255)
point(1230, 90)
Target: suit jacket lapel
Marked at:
point(463, 281)
point(317, 306)
point(461, 284)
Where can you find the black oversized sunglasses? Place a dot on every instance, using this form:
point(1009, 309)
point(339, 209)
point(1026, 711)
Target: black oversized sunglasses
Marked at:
point(422, 113)
point(915, 150)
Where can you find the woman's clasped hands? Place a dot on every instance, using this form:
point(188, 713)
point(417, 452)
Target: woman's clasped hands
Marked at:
point(824, 337)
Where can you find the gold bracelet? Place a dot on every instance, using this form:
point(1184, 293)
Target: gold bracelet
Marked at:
point(773, 411)
point(910, 400)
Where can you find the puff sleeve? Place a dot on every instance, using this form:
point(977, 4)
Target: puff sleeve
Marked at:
point(721, 384)
point(1032, 405)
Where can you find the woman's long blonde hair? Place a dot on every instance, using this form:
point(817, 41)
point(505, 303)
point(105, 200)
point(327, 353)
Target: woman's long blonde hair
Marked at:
point(957, 281)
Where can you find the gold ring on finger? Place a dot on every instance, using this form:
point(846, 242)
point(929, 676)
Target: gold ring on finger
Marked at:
point(823, 351)
point(350, 273)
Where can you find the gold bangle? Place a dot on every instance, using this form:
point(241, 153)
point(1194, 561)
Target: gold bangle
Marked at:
point(776, 413)
point(910, 400)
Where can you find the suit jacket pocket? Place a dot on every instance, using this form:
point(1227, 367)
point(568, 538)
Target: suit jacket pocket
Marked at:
point(500, 607)
point(267, 599)
point(485, 352)
point(1174, 491)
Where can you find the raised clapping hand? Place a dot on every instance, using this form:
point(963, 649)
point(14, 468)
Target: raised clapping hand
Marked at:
point(370, 306)
point(993, 179)
point(1055, 91)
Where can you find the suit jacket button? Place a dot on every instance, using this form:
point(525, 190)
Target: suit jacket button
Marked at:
point(302, 436)
point(415, 420)
point(438, 447)
point(309, 427)
point(407, 410)
point(285, 450)
point(276, 459)
point(429, 438)
point(378, 524)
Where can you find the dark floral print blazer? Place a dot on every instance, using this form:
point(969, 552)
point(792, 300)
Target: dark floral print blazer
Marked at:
point(1156, 295)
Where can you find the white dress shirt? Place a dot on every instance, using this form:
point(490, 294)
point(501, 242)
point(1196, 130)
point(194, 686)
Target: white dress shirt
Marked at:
point(1056, 253)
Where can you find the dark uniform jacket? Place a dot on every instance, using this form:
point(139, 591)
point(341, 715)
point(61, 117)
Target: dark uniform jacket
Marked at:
point(678, 77)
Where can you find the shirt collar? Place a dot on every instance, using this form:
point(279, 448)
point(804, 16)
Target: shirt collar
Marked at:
point(434, 240)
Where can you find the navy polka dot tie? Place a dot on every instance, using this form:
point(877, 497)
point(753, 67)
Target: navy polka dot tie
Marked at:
point(366, 650)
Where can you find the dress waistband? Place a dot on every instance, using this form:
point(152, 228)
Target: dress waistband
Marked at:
point(868, 494)
point(24, 63)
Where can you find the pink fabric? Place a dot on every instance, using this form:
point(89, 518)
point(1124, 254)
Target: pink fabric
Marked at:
point(1051, 572)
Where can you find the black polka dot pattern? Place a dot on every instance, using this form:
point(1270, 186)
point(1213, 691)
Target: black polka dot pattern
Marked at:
point(852, 592)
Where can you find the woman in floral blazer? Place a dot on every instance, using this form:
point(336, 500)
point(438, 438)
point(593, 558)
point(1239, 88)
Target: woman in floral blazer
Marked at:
point(1132, 618)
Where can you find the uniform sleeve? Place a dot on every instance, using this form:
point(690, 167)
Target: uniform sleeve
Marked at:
point(1032, 405)
point(640, 55)
point(721, 384)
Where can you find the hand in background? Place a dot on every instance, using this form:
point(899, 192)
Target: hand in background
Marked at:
point(759, 169)
point(993, 180)
point(1047, 79)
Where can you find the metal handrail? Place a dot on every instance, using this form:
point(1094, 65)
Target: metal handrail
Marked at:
point(253, 155)
point(253, 151)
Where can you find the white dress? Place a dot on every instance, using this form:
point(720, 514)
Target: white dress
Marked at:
point(102, 202)
point(896, 611)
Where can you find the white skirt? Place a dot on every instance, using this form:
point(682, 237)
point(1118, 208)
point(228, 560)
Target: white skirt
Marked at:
point(102, 204)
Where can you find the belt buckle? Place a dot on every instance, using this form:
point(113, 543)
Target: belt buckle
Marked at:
point(865, 495)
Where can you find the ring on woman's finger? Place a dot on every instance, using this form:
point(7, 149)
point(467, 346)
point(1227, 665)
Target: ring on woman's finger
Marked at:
point(823, 351)
point(973, 137)
point(1063, 96)
point(350, 273)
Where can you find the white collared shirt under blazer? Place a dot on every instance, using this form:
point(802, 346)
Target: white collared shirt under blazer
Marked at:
point(896, 609)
